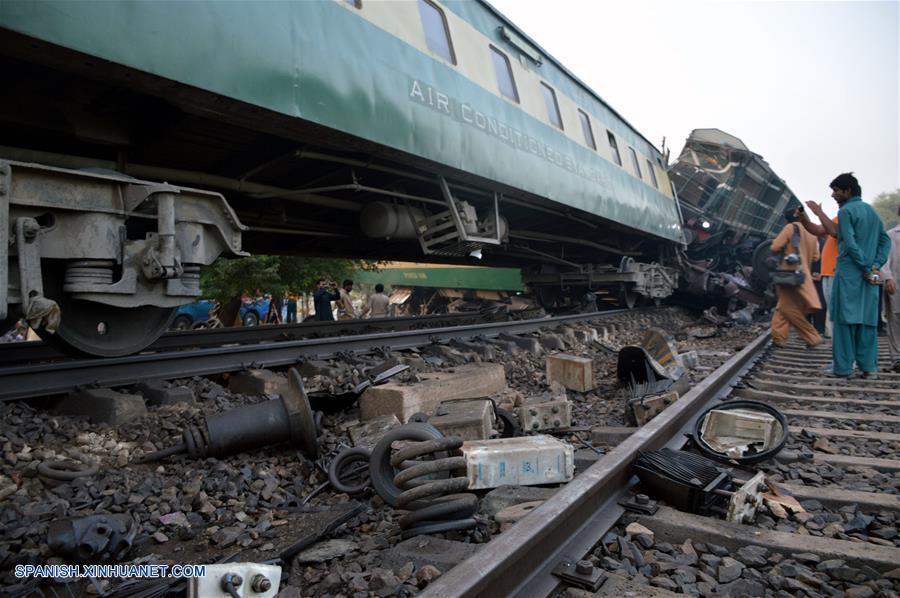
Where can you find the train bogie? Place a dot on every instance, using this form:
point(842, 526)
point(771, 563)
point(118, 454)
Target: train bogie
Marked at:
point(99, 261)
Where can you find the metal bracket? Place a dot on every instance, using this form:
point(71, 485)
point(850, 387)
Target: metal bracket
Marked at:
point(35, 307)
point(640, 503)
point(582, 574)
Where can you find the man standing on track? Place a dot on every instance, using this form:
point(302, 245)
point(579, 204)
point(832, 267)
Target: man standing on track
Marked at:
point(891, 274)
point(863, 249)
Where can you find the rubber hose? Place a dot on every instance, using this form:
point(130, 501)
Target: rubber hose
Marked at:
point(66, 471)
point(742, 404)
point(339, 464)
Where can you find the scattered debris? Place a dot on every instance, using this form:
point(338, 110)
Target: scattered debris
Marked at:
point(744, 431)
point(574, 373)
point(525, 461)
point(349, 471)
point(733, 432)
point(469, 419)
point(95, 537)
point(282, 419)
point(236, 579)
point(537, 415)
point(422, 484)
point(747, 499)
point(470, 381)
point(684, 480)
point(642, 409)
point(53, 472)
point(654, 373)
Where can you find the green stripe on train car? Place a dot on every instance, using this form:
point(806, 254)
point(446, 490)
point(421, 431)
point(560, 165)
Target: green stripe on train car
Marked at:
point(321, 62)
point(485, 279)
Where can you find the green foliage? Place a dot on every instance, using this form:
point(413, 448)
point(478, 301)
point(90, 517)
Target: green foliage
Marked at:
point(885, 205)
point(276, 274)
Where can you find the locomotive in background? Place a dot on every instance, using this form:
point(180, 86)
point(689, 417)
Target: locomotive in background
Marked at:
point(732, 204)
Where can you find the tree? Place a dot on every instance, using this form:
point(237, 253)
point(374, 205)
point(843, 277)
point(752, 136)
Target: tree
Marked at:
point(885, 205)
point(276, 274)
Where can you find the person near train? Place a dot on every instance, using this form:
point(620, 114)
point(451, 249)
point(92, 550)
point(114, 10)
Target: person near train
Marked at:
point(827, 229)
point(800, 249)
point(891, 274)
point(325, 294)
point(378, 304)
point(346, 311)
point(863, 247)
point(290, 314)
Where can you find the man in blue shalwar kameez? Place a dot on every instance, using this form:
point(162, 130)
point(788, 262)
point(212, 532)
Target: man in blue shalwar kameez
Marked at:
point(863, 247)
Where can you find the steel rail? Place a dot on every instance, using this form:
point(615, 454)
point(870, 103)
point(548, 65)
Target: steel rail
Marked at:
point(564, 528)
point(42, 379)
point(211, 337)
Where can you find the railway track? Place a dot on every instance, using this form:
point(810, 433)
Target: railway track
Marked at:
point(213, 337)
point(843, 541)
point(55, 377)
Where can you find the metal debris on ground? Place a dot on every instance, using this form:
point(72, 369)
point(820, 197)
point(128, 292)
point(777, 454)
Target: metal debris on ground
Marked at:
point(734, 432)
point(245, 580)
point(417, 478)
point(95, 537)
point(684, 480)
point(348, 472)
point(55, 472)
point(741, 431)
point(282, 419)
point(743, 504)
point(537, 415)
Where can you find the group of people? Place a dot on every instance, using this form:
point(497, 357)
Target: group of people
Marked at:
point(858, 258)
point(378, 305)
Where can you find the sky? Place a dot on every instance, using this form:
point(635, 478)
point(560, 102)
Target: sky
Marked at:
point(813, 87)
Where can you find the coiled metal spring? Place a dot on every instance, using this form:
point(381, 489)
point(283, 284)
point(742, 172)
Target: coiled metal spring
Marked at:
point(434, 500)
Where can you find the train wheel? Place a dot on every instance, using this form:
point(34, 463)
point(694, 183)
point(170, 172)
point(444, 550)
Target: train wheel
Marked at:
point(89, 328)
point(627, 296)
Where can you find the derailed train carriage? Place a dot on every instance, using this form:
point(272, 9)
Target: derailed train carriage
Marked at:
point(732, 203)
point(390, 130)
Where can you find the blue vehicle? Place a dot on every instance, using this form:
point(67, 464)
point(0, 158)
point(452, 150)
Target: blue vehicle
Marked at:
point(188, 315)
point(254, 312)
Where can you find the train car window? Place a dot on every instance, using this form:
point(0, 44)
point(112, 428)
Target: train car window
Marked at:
point(552, 106)
point(652, 174)
point(586, 129)
point(437, 34)
point(354, 3)
point(503, 70)
point(614, 147)
point(634, 160)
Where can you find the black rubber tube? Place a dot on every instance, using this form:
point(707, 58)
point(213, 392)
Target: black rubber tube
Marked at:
point(66, 471)
point(742, 404)
point(339, 465)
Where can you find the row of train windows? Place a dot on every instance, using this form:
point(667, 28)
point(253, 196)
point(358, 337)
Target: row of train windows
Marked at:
point(437, 36)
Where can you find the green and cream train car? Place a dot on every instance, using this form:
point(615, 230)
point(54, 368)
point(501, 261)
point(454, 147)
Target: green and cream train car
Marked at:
point(408, 130)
